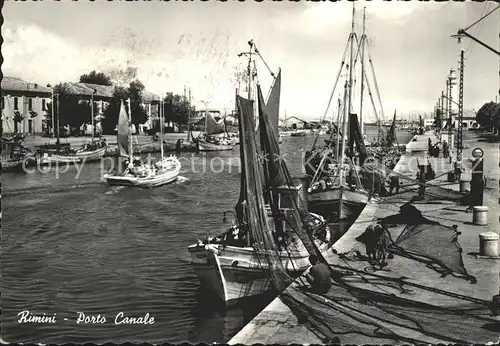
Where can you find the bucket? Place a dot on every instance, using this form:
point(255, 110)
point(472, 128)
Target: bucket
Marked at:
point(464, 185)
point(480, 215)
point(488, 244)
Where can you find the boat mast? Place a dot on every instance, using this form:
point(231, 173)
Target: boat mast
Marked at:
point(349, 92)
point(347, 110)
point(58, 141)
point(92, 115)
point(206, 117)
point(161, 126)
point(363, 41)
point(189, 117)
point(337, 146)
point(130, 146)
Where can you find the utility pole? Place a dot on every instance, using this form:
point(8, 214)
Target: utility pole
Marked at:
point(450, 119)
point(460, 107)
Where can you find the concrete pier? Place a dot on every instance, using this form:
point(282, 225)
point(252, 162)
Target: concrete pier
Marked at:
point(278, 324)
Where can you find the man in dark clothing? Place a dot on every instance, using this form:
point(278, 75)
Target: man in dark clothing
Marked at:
point(319, 276)
point(369, 239)
point(394, 183)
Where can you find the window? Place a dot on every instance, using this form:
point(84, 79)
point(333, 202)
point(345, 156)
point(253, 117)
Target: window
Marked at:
point(30, 104)
point(16, 106)
point(44, 105)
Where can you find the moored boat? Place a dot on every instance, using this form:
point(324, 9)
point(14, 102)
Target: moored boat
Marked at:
point(298, 133)
point(14, 155)
point(233, 264)
point(215, 145)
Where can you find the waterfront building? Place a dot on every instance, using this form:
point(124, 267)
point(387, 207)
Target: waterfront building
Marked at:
point(24, 106)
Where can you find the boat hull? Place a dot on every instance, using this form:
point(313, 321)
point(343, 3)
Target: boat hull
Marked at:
point(205, 146)
point(143, 182)
point(327, 203)
point(232, 273)
point(82, 156)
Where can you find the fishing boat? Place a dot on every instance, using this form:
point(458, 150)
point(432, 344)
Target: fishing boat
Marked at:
point(298, 133)
point(15, 156)
point(63, 153)
point(336, 188)
point(137, 172)
point(215, 137)
point(230, 265)
point(60, 153)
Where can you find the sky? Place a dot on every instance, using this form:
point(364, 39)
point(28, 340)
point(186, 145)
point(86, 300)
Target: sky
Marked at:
point(172, 45)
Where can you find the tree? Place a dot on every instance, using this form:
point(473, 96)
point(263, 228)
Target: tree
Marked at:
point(176, 108)
point(112, 111)
point(496, 117)
point(95, 77)
point(139, 114)
point(69, 109)
point(132, 92)
point(484, 115)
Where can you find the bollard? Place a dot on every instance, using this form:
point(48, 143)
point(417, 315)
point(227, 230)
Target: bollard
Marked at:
point(480, 215)
point(464, 185)
point(488, 244)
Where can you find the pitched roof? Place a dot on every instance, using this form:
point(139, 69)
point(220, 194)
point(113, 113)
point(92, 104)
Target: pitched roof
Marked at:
point(149, 97)
point(17, 84)
point(86, 89)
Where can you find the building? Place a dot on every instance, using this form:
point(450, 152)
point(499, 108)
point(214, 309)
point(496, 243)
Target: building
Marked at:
point(24, 106)
point(102, 94)
point(469, 120)
point(296, 123)
point(429, 122)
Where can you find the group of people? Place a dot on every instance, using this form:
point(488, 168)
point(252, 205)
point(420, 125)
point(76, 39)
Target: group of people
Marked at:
point(436, 149)
point(95, 145)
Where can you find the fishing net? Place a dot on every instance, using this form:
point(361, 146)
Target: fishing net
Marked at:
point(251, 211)
point(346, 313)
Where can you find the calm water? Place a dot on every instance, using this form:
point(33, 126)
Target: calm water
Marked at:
point(71, 244)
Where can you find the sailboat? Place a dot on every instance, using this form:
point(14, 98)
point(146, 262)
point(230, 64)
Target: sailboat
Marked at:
point(63, 153)
point(138, 173)
point(230, 264)
point(215, 137)
point(335, 186)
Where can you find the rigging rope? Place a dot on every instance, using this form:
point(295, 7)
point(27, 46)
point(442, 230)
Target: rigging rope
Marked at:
point(334, 87)
point(375, 83)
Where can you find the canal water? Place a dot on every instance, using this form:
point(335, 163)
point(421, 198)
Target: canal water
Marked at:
point(70, 244)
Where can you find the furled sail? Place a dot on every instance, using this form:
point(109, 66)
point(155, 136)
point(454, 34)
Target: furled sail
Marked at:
point(123, 132)
point(278, 179)
point(273, 103)
point(391, 135)
point(213, 127)
point(355, 136)
point(251, 207)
